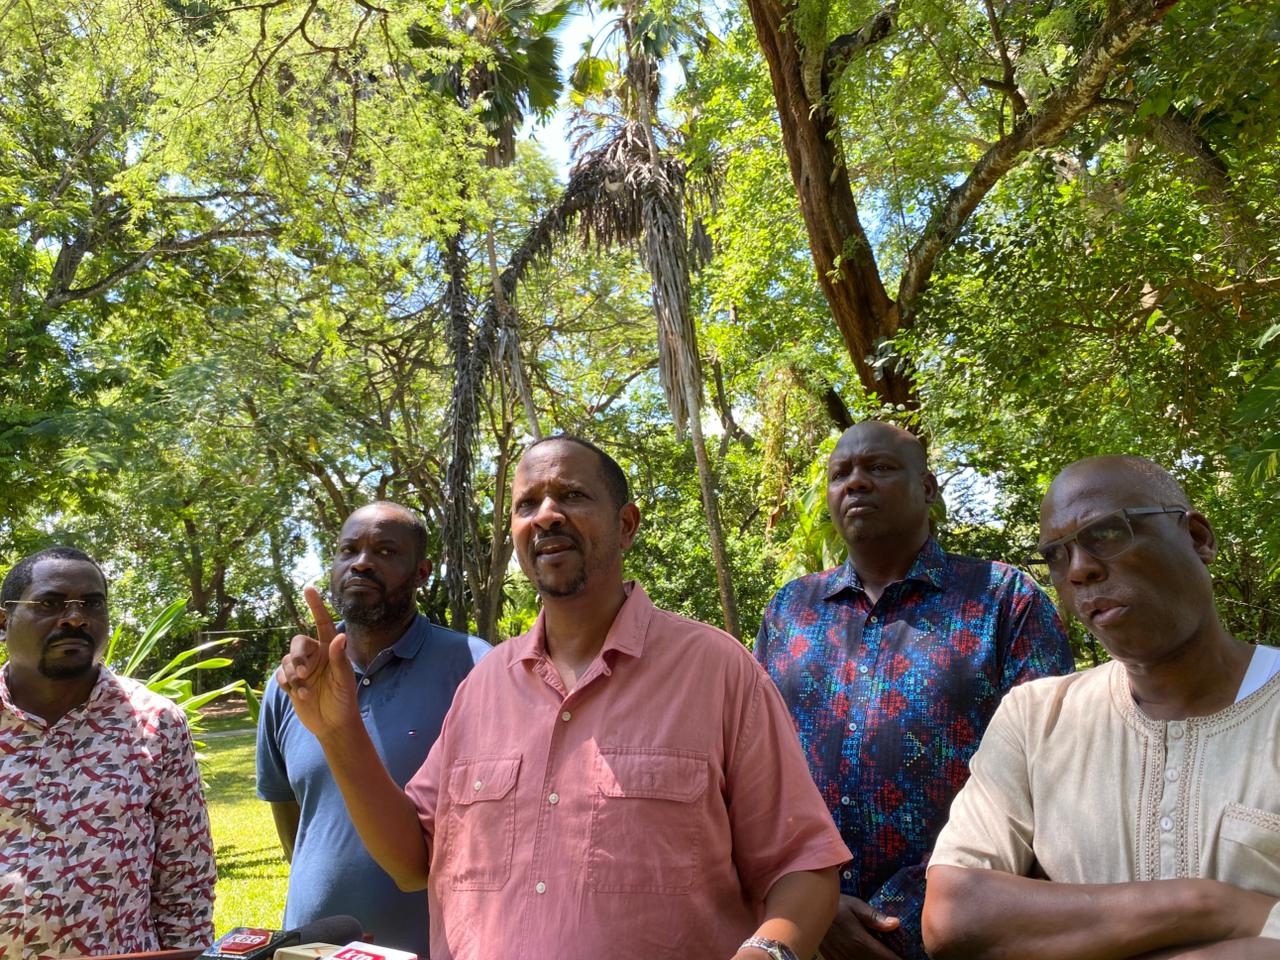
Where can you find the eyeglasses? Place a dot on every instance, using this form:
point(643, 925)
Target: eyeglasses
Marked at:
point(1104, 538)
point(89, 606)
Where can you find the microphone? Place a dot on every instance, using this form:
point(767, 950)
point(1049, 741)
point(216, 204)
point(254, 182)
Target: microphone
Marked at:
point(256, 943)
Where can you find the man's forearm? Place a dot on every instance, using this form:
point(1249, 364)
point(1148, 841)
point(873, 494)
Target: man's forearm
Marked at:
point(989, 915)
point(1251, 948)
point(798, 910)
point(383, 815)
point(287, 814)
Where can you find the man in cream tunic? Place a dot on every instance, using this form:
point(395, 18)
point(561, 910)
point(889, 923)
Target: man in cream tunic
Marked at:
point(1132, 810)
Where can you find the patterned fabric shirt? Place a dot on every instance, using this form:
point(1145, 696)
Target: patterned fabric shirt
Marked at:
point(104, 838)
point(891, 699)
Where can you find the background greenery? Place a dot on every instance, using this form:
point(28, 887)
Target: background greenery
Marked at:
point(262, 262)
point(252, 874)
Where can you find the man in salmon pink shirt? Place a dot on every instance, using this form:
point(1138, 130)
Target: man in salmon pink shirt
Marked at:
point(617, 781)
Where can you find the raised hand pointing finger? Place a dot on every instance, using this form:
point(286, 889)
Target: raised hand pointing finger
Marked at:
point(317, 675)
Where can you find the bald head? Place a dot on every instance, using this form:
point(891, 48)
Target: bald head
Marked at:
point(1136, 481)
point(879, 489)
point(388, 511)
point(906, 444)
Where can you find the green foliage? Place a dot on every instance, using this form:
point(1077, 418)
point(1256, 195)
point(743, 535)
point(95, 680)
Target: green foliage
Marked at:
point(253, 876)
point(224, 298)
point(173, 680)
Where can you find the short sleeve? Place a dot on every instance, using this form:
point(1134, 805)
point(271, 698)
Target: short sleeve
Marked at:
point(423, 787)
point(779, 822)
point(272, 774)
point(1033, 642)
point(479, 649)
point(992, 821)
point(765, 633)
point(182, 872)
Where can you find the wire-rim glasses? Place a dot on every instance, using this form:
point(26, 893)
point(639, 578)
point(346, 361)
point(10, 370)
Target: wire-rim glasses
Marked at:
point(88, 606)
point(1108, 536)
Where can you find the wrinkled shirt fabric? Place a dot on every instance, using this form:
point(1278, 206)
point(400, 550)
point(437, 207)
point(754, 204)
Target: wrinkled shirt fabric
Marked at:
point(104, 836)
point(891, 698)
point(645, 813)
point(1074, 783)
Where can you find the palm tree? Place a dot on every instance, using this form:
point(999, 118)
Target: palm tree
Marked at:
point(624, 188)
point(521, 75)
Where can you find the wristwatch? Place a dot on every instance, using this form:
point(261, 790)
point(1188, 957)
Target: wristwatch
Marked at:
point(776, 949)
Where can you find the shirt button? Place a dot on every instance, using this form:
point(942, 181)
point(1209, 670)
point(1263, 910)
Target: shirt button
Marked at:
point(862, 669)
point(1171, 774)
point(845, 801)
point(848, 875)
point(871, 621)
point(1166, 824)
point(540, 887)
point(477, 785)
point(366, 681)
point(553, 799)
point(1175, 731)
point(566, 716)
point(853, 727)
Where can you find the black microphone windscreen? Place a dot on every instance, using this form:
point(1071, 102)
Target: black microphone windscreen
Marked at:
point(340, 929)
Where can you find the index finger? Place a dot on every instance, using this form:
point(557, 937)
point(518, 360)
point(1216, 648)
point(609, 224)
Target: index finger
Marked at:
point(325, 629)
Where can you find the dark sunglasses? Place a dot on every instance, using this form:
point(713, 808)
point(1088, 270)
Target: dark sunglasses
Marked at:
point(1104, 538)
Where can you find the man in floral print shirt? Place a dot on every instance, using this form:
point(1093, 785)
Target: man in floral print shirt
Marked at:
point(892, 665)
point(104, 838)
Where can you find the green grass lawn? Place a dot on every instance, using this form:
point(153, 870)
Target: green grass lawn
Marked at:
point(252, 874)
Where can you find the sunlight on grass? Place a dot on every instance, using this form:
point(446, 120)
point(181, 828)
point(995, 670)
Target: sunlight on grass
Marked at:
point(252, 874)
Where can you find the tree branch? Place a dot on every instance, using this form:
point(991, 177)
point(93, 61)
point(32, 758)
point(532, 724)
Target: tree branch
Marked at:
point(60, 294)
point(841, 51)
point(1033, 130)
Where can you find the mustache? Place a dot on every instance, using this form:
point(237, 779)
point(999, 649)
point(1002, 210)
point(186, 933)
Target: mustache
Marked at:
point(364, 577)
point(538, 541)
point(69, 633)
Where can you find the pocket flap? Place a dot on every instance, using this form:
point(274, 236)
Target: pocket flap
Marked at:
point(1254, 828)
point(652, 773)
point(482, 778)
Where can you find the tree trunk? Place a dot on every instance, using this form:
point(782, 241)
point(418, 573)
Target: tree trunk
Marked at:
point(711, 509)
point(463, 414)
point(846, 266)
point(509, 338)
point(489, 604)
point(667, 261)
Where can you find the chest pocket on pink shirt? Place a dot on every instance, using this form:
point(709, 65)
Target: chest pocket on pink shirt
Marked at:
point(481, 829)
point(646, 820)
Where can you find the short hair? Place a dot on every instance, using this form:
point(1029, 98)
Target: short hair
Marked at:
point(18, 579)
point(412, 520)
point(615, 478)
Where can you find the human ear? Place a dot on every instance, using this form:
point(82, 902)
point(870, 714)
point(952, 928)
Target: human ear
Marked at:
point(930, 487)
point(422, 573)
point(628, 524)
point(1203, 539)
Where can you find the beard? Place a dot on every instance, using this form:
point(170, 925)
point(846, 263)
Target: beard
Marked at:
point(574, 586)
point(68, 669)
point(389, 608)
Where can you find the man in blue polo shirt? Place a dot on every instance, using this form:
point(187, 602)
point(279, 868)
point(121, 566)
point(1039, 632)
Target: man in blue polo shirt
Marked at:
point(407, 670)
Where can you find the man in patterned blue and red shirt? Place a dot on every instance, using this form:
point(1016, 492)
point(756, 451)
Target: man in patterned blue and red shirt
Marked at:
point(892, 665)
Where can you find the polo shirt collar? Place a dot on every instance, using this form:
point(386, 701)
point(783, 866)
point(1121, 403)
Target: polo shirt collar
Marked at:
point(626, 634)
point(406, 648)
point(930, 567)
